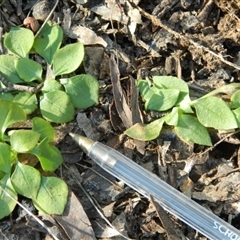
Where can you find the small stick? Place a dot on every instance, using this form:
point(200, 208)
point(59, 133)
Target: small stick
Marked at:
point(50, 14)
point(32, 215)
point(10, 87)
point(157, 22)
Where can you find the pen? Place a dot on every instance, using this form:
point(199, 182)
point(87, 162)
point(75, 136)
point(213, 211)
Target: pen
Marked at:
point(147, 183)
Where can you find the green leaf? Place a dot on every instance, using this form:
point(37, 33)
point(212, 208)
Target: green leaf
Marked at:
point(145, 132)
point(236, 113)
point(235, 100)
point(26, 180)
point(6, 203)
point(163, 100)
point(6, 96)
point(56, 107)
point(68, 58)
point(51, 85)
point(48, 155)
point(52, 196)
point(185, 104)
point(44, 128)
point(48, 41)
point(226, 89)
point(19, 41)
point(28, 69)
point(5, 158)
point(191, 130)
point(172, 118)
point(156, 99)
point(144, 89)
point(10, 113)
point(2, 174)
point(82, 89)
point(169, 82)
point(27, 101)
point(214, 112)
point(24, 140)
point(8, 70)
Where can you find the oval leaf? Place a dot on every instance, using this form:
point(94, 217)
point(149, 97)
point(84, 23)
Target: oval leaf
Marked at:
point(19, 41)
point(169, 82)
point(56, 107)
point(5, 158)
point(52, 196)
point(82, 89)
point(145, 132)
point(49, 156)
point(158, 99)
point(44, 128)
point(51, 85)
point(10, 113)
point(235, 99)
point(29, 70)
point(191, 130)
point(163, 100)
point(26, 180)
point(68, 58)
point(27, 101)
point(172, 117)
point(20, 140)
point(6, 203)
point(228, 89)
point(8, 70)
point(6, 96)
point(48, 41)
point(214, 112)
point(236, 113)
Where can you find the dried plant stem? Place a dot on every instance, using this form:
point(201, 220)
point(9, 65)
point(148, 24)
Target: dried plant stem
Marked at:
point(50, 14)
point(32, 215)
point(156, 22)
point(10, 87)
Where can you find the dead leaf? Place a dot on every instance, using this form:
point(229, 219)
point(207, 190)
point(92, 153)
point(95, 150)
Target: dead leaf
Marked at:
point(120, 100)
point(111, 10)
point(74, 220)
point(85, 36)
point(85, 124)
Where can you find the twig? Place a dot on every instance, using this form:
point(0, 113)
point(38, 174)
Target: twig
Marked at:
point(76, 179)
point(32, 215)
point(50, 14)
point(156, 22)
point(217, 143)
point(10, 87)
point(32, 8)
point(203, 15)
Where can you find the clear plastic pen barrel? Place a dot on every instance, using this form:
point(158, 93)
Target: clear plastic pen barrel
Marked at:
point(169, 198)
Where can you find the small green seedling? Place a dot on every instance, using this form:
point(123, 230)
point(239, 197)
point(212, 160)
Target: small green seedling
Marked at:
point(57, 94)
point(26, 158)
point(189, 119)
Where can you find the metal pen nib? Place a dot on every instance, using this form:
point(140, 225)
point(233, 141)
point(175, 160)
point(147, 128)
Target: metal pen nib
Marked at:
point(84, 143)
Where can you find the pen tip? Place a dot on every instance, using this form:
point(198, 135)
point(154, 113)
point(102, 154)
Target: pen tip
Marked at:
point(84, 143)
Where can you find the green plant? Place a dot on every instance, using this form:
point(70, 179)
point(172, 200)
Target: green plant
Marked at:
point(189, 119)
point(56, 96)
point(26, 158)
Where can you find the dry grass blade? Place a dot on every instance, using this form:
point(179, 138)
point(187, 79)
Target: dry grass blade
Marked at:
point(33, 216)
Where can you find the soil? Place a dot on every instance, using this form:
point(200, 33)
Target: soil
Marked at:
point(197, 41)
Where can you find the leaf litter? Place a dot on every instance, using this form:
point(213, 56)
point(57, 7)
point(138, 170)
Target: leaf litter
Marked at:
point(197, 41)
